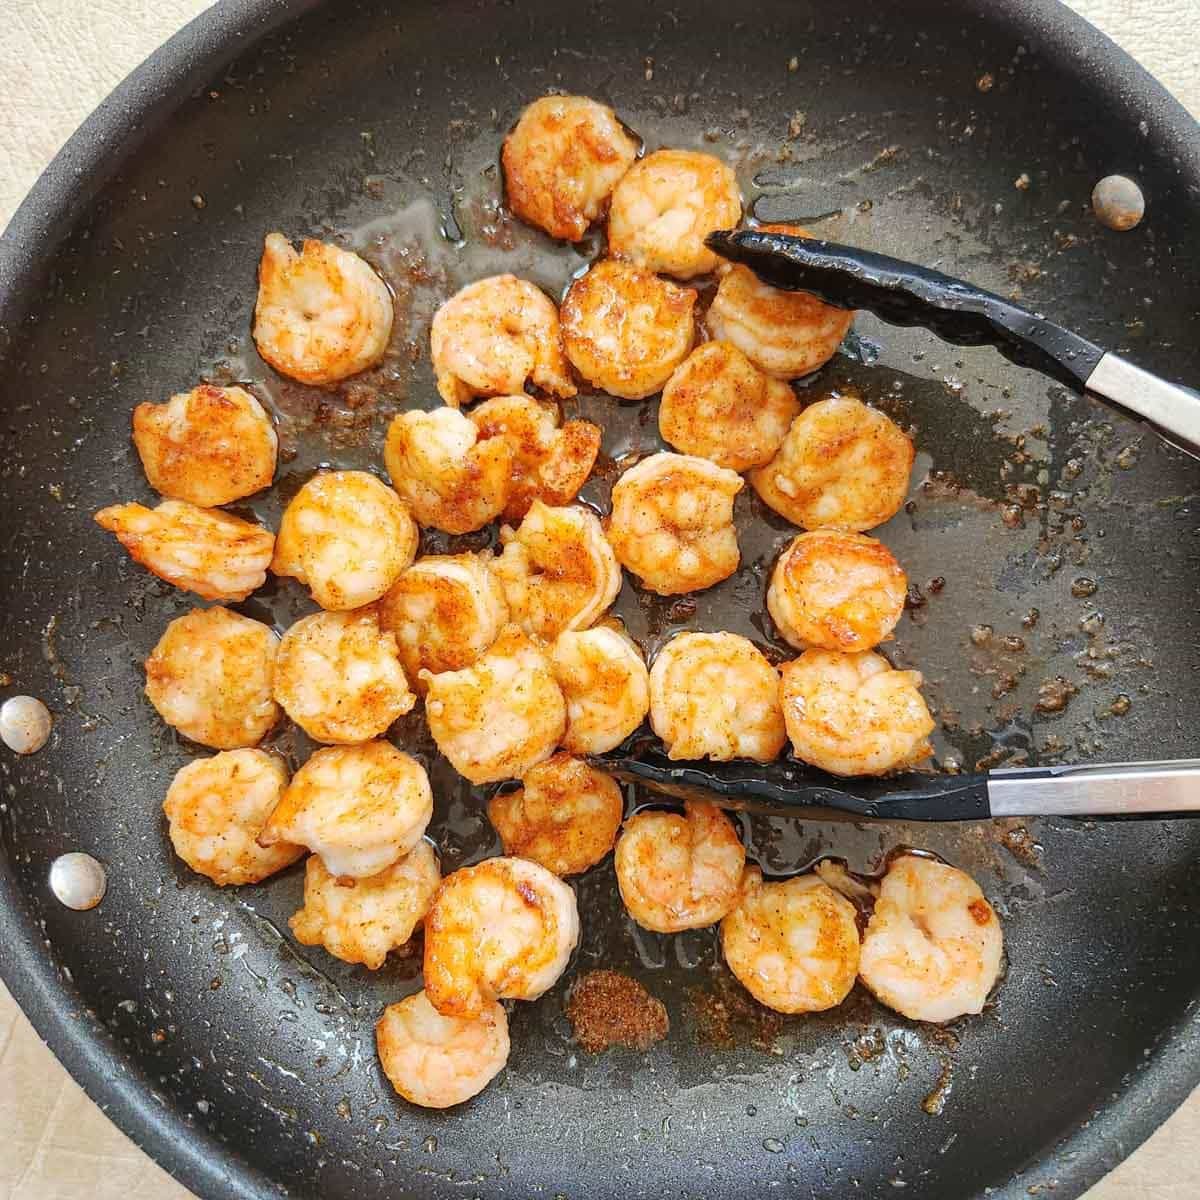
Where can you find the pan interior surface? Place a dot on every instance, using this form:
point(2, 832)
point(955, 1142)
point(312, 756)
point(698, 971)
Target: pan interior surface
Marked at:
point(1051, 544)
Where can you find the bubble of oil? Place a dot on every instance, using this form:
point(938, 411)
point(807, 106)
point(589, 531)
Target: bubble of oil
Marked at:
point(78, 881)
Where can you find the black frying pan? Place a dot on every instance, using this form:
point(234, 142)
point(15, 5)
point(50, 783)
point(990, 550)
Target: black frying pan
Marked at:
point(245, 1063)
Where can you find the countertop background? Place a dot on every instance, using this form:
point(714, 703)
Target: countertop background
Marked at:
point(58, 59)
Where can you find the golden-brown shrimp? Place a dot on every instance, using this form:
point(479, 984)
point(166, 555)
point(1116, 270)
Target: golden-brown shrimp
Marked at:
point(502, 929)
point(361, 920)
point(322, 313)
point(550, 462)
point(679, 870)
point(666, 205)
point(605, 683)
point(720, 406)
point(934, 945)
point(714, 695)
point(339, 677)
point(842, 465)
point(444, 611)
point(209, 446)
point(558, 570)
point(493, 337)
point(210, 676)
point(836, 591)
point(500, 717)
point(793, 944)
point(672, 522)
point(561, 161)
point(451, 478)
point(564, 816)
point(215, 810)
point(347, 537)
point(199, 550)
point(437, 1061)
point(852, 714)
point(626, 330)
point(359, 807)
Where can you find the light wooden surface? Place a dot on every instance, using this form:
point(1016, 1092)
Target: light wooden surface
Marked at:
point(58, 59)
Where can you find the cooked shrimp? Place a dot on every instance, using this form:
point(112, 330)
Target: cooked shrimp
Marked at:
point(217, 556)
point(438, 1061)
point(786, 334)
point(842, 465)
point(493, 337)
point(933, 946)
point(852, 714)
point(562, 160)
point(339, 677)
point(361, 920)
point(666, 205)
point(793, 944)
point(210, 676)
point(836, 591)
point(322, 313)
point(215, 811)
point(444, 612)
point(714, 695)
point(604, 680)
point(720, 406)
point(626, 330)
point(564, 816)
point(451, 478)
point(209, 446)
point(500, 717)
point(347, 537)
point(672, 522)
point(502, 929)
point(359, 807)
point(550, 462)
point(679, 870)
point(558, 570)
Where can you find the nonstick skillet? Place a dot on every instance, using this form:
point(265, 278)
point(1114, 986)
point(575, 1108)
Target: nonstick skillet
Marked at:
point(1052, 547)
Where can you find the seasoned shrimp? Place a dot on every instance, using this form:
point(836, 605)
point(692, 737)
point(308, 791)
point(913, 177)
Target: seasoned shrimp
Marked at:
point(210, 676)
point(562, 160)
point(449, 476)
point(786, 334)
point(720, 406)
point(359, 807)
point(361, 920)
point(558, 570)
point(209, 446)
point(347, 537)
point(444, 612)
point(714, 695)
point(666, 205)
point(493, 337)
point(852, 714)
point(339, 677)
point(934, 945)
point(604, 680)
point(500, 717)
point(550, 462)
point(842, 465)
point(215, 811)
point(322, 313)
point(679, 870)
point(793, 944)
point(502, 929)
point(217, 556)
point(564, 816)
point(626, 330)
point(672, 522)
point(836, 591)
point(437, 1061)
